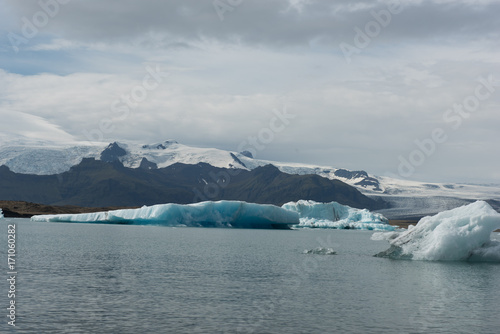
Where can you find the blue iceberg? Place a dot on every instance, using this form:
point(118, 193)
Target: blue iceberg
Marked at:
point(334, 215)
point(236, 214)
point(205, 214)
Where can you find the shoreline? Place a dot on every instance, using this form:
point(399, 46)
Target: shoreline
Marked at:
point(403, 223)
point(21, 209)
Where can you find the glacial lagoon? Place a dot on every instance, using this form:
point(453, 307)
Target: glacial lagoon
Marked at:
point(103, 278)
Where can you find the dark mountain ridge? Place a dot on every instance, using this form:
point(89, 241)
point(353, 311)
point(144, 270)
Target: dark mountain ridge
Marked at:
point(95, 183)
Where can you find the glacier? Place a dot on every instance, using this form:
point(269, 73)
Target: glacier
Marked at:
point(334, 215)
point(205, 214)
point(460, 234)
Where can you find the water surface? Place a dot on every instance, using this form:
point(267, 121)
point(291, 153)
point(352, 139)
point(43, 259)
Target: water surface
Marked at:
point(91, 278)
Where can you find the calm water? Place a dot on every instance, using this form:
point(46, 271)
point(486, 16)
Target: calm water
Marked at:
point(83, 278)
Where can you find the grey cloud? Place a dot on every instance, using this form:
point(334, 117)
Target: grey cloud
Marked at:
point(266, 22)
point(227, 75)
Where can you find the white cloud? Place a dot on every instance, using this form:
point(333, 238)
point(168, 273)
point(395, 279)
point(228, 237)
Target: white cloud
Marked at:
point(17, 125)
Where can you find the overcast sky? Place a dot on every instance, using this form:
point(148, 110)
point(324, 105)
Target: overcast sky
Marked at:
point(359, 82)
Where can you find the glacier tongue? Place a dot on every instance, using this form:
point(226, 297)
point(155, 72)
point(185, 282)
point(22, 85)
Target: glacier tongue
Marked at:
point(459, 234)
point(207, 214)
point(335, 215)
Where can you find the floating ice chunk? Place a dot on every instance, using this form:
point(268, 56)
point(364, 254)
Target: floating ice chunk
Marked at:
point(207, 214)
point(335, 215)
point(459, 234)
point(320, 251)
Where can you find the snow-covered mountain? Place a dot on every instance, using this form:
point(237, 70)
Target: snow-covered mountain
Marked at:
point(47, 158)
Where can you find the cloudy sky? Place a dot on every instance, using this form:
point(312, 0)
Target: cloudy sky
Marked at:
point(409, 89)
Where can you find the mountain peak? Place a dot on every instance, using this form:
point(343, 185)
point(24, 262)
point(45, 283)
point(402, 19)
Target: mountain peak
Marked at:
point(160, 146)
point(112, 153)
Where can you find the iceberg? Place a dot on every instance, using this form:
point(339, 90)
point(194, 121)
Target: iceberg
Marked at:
point(320, 251)
point(334, 215)
point(236, 214)
point(205, 214)
point(461, 234)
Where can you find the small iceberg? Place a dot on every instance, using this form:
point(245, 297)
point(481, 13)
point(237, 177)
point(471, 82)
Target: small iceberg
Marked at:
point(205, 214)
point(334, 215)
point(320, 251)
point(461, 234)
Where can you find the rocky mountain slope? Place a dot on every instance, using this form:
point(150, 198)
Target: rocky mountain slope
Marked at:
point(100, 183)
